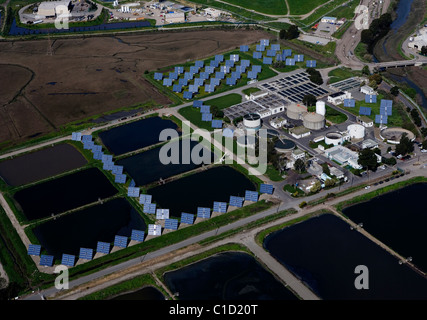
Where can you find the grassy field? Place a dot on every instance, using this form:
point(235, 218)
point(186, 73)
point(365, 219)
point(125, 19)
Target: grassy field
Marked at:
point(194, 116)
point(327, 9)
point(274, 7)
point(335, 116)
point(248, 91)
point(273, 174)
point(339, 74)
point(299, 7)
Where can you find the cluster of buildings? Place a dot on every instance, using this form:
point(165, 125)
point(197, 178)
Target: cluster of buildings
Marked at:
point(51, 9)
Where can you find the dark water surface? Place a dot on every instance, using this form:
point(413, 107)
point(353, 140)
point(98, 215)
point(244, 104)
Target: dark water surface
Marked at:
point(201, 190)
point(64, 193)
point(88, 226)
point(398, 219)
point(324, 253)
point(226, 276)
point(135, 135)
point(41, 164)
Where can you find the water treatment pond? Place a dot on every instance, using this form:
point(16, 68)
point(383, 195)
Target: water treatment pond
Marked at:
point(398, 219)
point(146, 167)
point(135, 135)
point(201, 190)
point(147, 293)
point(324, 253)
point(67, 234)
point(64, 193)
point(226, 276)
point(41, 164)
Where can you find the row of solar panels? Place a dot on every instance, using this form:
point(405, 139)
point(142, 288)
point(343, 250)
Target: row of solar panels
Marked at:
point(206, 115)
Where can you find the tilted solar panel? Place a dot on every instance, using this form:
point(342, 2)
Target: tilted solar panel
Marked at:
point(120, 241)
point(220, 207)
point(68, 260)
point(103, 247)
point(34, 249)
point(137, 235)
point(171, 224)
point(203, 212)
point(46, 260)
point(236, 201)
point(266, 188)
point(251, 196)
point(86, 253)
point(187, 218)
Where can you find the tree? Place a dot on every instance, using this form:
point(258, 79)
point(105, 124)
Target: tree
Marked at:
point(330, 182)
point(416, 117)
point(291, 33)
point(394, 91)
point(366, 71)
point(424, 50)
point(326, 169)
point(309, 100)
point(424, 132)
point(282, 33)
point(389, 161)
point(315, 76)
point(368, 159)
point(316, 187)
point(376, 77)
point(299, 165)
point(425, 144)
point(405, 145)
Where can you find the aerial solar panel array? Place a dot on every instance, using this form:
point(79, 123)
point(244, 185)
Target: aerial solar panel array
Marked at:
point(137, 235)
point(266, 188)
point(120, 241)
point(46, 260)
point(267, 60)
point(76, 136)
point(220, 207)
point(217, 124)
point(236, 201)
point(349, 103)
point(86, 254)
point(365, 111)
point(154, 230)
point(381, 119)
point(68, 260)
point(203, 212)
point(386, 107)
point(145, 198)
point(187, 218)
point(311, 63)
point(34, 250)
point(206, 117)
point(149, 208)
point(251, 196)
point(103, 247)
point(120, 178)
point(133, 192)
point(171, 224)
point(162, 214)
point(370, 98)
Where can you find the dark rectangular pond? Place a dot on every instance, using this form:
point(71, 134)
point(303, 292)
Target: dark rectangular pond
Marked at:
point(201, 190)
point(146, 167)
point(135, 135)
point(226, 276)
point(398, 219)
point(67, 234)
point(324, 252)
point(64, 193)
point(41, 164)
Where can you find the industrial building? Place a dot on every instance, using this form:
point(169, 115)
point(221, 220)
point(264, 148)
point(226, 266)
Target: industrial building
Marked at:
point(332, 20)
point(339, 97)
point(175, 17)
point(278, 122)
point(343, 156)
point(419, 41)
point(367, 90)
point(49, 9)
point(299, 132)
point(313, 121)
point(365, 121)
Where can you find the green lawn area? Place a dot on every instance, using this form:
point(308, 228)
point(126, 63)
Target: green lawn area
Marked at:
point(339, 74)
point(273, 174)
point(295, 192)
point(275, 7)
point(335, 116)
point(319, 13)
point(326, 50)
point(279, 25)
point(248, 91)
point(195, 117)
point(299, 7)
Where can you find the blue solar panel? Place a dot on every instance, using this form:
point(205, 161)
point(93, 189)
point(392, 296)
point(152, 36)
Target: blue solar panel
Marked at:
point(220, 207)
point(86, 254)
point(287, 53)
point(240, 69)
point(205, 109)
point(252, 75)
point(96, 148)
point(219, 58)
point(88, 145)
point(245, 63)
point(206, 117)
point(183, 82)
point(210, 69)
point(387, 111)
point(203, 212)
point(257, 55)
point(244, 48)
point(199, 82)
point(220, 75)
point(167, 82)
point(149, 208)
point(46, 260)
point(103, 247)
point(120, 241)
point(137, 235)
point(171, 224)
point(145, 198)
point(199, 64)
point(133, 192)
point(264, 42)
point(214, 63)
point(162, 214)
point(187, 218)
point(76, 136)
point(386, 103)
point(225, 69)
point(68, 260)
point(107, 158)
point(236, 201)
point(256, 68)
point(204, 75)
point(267, 60)
point(209, 88)
point(370, 98)
point(251, 196)
point(349, 103)
point(290, 62)
point(120, 178)
point(229, 63)
point(158, 76)
point(117, 170)
point(179, 70)
point(311, 63)
point(132, 183)
point(173, 75)
point(236, 75)
point(381, 118)
point(217, 124)
point(86, 137)
point(215, 82)
point(98, 155)
point(260, 47)
point(108, 166)
point(231, 81)
point(266, 188)
point(234, 57)
point(365, 111)
point(188, 95)
point(228, 133)
point(194, 69)
point(197, 103)
point(299, 57)
point(275, 47)
point(34, 249)
point(271, 53)
point(177, 87)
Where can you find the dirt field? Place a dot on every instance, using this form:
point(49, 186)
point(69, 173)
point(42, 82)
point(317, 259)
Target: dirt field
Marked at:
point(89, 76)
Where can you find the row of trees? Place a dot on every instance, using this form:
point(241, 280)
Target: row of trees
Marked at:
point(377, 30)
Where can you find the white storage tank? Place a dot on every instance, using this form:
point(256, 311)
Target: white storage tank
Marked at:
point(321, 108)
point(356, 131)
point(334, 138)
point(252, 121)
point(295, 111)
point(313, 121)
